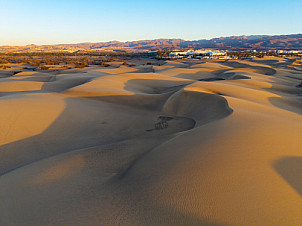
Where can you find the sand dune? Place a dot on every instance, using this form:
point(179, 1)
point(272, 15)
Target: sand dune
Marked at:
point(174, 143)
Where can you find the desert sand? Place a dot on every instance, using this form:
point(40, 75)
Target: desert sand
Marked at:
point(187, 142)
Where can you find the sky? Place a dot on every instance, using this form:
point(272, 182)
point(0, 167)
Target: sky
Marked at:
point(40, 22)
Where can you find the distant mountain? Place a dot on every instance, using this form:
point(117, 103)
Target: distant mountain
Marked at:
point(258, 42)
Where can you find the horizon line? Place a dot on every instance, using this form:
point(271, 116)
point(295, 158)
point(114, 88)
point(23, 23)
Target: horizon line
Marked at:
point(90, 42)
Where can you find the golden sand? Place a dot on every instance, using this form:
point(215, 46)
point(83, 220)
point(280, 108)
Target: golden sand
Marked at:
point(185, 143)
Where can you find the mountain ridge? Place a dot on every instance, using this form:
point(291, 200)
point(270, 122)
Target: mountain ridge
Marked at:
point(243, 42)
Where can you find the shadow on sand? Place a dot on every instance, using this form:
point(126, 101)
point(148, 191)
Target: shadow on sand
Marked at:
point(290, 169)
point(89, 121)
point(262, 70)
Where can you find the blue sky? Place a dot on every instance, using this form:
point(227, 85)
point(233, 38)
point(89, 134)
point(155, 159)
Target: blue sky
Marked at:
point(51, 22)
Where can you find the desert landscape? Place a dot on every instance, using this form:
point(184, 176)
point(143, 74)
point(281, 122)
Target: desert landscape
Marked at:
point(152, 142)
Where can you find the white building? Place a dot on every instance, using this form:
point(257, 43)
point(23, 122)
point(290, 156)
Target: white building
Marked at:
point(213, 54)
point(206, 52)
point(177, 54)
point(293, 51)
point(282, 51)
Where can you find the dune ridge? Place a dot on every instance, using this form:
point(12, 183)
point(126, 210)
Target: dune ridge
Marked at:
point(182, 143)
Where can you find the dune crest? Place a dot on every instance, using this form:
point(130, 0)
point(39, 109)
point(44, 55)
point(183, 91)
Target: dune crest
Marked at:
point(181, 142)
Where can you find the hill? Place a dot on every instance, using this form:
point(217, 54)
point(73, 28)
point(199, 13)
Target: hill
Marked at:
point(258, 42)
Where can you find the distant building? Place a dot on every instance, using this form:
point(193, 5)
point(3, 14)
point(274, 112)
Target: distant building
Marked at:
point(294, 51)
point(206, 52)
point(282, 51)
point(177, 54)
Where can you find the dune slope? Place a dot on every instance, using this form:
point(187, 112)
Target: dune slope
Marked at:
point(184, 143)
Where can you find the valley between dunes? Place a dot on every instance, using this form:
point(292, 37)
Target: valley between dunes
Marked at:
point(180, 142)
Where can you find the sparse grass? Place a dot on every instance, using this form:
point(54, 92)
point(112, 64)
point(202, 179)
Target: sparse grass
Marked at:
point(71, 60)
point(4, 67)
point(44, 68)
point(81, 65)
point(104, 64)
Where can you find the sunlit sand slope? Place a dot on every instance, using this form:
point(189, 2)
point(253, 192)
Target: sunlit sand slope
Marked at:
point(183, 143)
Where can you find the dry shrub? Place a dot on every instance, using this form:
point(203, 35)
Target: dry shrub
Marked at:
point(81, 65)
point(4, 67)
point(104, 64)
point(44, 68)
